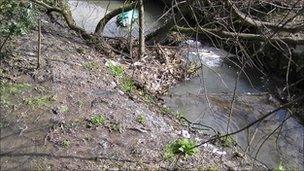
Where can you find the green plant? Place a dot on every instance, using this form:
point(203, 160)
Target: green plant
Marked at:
point(280, 167)
point(97, 120)
point(64, 109)
point(9, 90)
point(17, 17)
point(146, 97)
point(165, 110)
point(91, 66)
point(13, 88)
point(127, 85)
point(115, 70)
point(141, 119)
point(65, 143)
point(40, 101)
point(183, 146)
point(179, 114)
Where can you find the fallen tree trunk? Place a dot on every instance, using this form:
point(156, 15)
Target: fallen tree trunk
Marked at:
point(102, 23)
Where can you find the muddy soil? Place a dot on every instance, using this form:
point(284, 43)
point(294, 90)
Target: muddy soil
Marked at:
point(47, 114)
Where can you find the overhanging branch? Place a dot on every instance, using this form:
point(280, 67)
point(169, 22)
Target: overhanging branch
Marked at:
point(240, 36)
point(261, 24)
point(97, 41)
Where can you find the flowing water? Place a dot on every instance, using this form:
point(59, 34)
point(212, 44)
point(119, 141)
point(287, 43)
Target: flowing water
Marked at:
point(207, 98)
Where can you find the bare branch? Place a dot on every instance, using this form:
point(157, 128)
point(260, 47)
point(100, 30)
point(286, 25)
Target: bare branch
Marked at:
point(242, 36)
point(274, 26)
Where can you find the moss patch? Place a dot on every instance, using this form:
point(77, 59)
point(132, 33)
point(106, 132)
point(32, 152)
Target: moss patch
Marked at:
point(91, 66)
point(10, 90)
point(40, 101)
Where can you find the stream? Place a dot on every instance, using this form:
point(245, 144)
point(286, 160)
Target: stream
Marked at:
point(217, 79)
point(206, 99)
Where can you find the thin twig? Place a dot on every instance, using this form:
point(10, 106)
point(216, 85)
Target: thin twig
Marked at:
point(39, 44)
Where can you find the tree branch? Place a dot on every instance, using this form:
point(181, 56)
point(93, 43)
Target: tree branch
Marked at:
point(98, 42)
point(273, 26)
point(243, 36)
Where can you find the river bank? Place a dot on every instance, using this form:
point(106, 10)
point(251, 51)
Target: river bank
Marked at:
point(73, 113)
point(95, 110)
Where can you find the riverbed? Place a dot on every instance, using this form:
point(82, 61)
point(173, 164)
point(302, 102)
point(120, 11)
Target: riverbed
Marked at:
point(207, 98)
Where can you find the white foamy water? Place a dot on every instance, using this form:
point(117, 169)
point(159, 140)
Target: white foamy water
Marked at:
point(208, 57)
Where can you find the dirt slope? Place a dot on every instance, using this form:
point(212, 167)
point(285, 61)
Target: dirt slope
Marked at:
point(46, 114)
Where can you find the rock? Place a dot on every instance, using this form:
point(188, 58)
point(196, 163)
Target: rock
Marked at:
point(103, 143)
point(185, 134)
point(57, 120)
point(137, 63)
point(214, 149)
point(110, 62)
point(121, 92)
point(113, 85)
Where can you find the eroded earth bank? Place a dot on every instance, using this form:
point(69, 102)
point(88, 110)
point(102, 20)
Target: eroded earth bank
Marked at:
point(78, 113)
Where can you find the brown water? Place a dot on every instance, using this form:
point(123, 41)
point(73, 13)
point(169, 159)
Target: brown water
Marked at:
point(217, 80)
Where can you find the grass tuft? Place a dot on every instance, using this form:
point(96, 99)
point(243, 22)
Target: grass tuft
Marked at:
point(127, 85)
point(40, 101)
point(280, 167)
point(97, 120)
point(115, 70)
point(10, 90)
point(65, 143)
point(141, 119)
